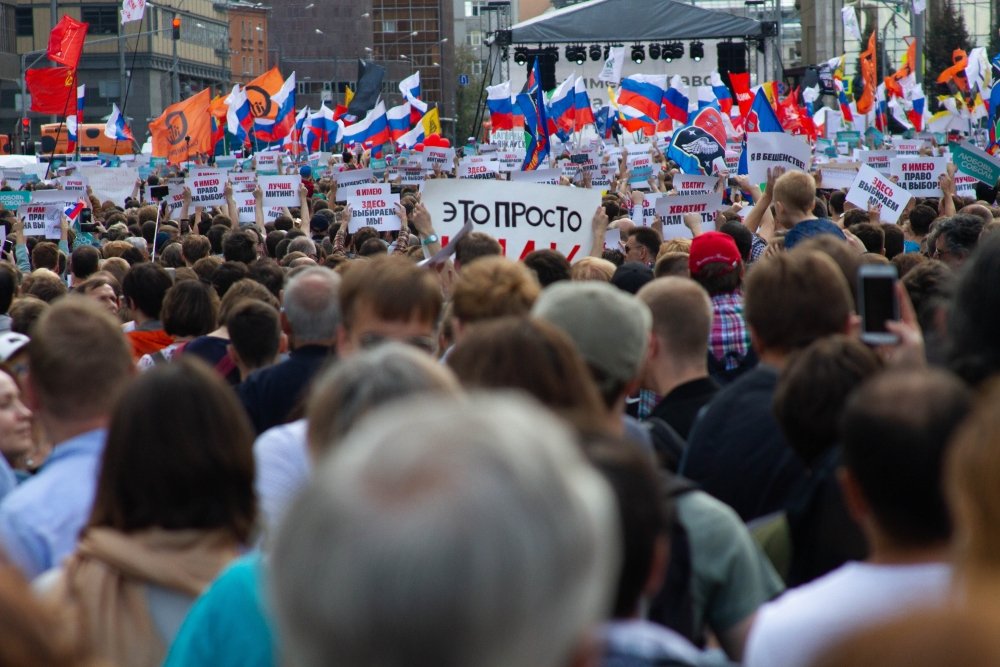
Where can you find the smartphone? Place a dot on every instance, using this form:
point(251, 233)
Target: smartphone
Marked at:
point(158, 192)
point(877, 303)
point(8, 246)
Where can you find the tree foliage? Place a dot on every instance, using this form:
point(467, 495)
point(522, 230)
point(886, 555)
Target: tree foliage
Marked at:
point(946, 32)
point(469, 98)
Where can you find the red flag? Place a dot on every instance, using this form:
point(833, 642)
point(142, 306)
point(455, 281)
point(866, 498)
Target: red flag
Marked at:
point(66, 41)
point(53, 90)
point(741, 86)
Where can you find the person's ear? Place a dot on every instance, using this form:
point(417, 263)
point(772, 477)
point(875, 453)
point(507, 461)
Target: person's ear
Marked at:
point(344, 346)
point(854, 497)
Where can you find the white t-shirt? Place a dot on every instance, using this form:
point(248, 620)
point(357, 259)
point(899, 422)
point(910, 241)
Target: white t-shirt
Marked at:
point(796, 628)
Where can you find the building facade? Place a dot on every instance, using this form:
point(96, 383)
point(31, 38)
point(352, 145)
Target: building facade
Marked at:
point(139, 66)
point(248, 45)
point(323, 41)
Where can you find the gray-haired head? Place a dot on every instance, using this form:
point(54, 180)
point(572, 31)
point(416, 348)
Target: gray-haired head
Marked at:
point(447, 534)
point(311, 305)
point(355, 386)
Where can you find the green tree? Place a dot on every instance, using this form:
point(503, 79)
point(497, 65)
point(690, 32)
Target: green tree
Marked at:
point(946, 32)
point(469, 98)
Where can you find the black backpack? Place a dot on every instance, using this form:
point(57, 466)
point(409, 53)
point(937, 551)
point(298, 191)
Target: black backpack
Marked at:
point(717, 367)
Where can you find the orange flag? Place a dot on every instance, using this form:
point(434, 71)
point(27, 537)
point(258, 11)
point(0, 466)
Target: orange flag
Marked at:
point(867, 99)
point(892, 82)
point(259, 92)
point(956, 73)
point(183, 129)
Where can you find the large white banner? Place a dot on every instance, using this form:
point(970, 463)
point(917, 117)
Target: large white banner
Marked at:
point(522, 217)
point(766, 150)
point(110, 184)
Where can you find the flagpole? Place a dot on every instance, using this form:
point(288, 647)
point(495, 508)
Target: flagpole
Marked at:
point(55, 143)
point(128, 87)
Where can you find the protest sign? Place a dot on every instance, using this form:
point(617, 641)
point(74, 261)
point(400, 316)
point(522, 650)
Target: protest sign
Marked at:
point(872, 188)
point(838, 175)
point(110, 184)
point(40, 219)
point(522, 218)
point(510, 160)
point(243, 181)
point(175, 197)
point(919, 175)
point(267, 163)
point(442, 157)
point(280, 190)
point(411, 174)
point(642, 168)
point(602, 177)
point(75, 184)
point(766, 150)
point(207, 188)
point(849, 137)
point(482, 170)
point(977, 163)
point(965, 186)
point(540, 176)
point(908, 147)
point(878, 160)
point(246, 207)
point(225, 161)
point(672, 210)
point(645, 211)
point(11, 199)
point(690, 184)
point(353, 176)
point(373, 205)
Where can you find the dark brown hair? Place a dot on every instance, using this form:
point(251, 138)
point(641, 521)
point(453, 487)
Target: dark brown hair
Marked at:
point(190, 308)
point(179, 455)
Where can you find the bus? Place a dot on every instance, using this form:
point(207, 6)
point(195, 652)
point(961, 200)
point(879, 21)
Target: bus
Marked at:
point(90, 140)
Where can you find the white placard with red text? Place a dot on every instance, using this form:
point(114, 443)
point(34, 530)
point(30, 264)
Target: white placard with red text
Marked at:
point(919, 175)
point(871, 188)
point(672, 210)
point(693, 184)
point(373, 205)
point(766, 150)
point(207, 188)
point(280, 190)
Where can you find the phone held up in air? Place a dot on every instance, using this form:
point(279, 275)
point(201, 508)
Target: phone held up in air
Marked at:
point(877, 303)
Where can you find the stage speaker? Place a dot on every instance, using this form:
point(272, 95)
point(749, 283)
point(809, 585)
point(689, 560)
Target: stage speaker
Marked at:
point(732, 57)
point(546, 66)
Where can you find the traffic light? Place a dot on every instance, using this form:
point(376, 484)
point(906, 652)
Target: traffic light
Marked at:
point(26, 123)
point(176, 23)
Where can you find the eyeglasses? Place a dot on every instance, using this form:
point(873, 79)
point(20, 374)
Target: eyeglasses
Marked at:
point(425, 343)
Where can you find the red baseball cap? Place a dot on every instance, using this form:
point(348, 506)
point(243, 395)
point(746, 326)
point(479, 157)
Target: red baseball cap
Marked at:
point(712, 247)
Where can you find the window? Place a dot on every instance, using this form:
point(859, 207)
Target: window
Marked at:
point(475, 38)
point(260, 64)
point(103, 19)
point(24, 21)
point(389, 26)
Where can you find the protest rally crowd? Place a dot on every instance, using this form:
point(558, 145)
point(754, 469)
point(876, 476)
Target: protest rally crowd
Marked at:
point(610, 402)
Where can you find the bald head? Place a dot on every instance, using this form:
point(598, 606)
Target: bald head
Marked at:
point(311, 306)
point(682, 316)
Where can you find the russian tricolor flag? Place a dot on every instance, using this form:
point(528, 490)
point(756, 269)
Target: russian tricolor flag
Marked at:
point(722, 94)
point(500, 106)
point(116, 128)
point(321, 129)
point(707, 98)
point(410, 89)
point(399, 120)
point(373, 128)
point(413, 137)
point(845, 106)
point(641, 96)
point(293, 140)
point(584, 113)
point(279, 128)
point(916, 114)
point(73, 211)
point(238, 118)
point(675, 100)
point(560, 108)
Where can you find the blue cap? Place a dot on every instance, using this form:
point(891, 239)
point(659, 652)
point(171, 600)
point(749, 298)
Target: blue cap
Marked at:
point(306, 171)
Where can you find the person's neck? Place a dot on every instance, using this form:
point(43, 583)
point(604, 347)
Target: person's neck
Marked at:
point(772, 358)
point(790, 219)
point(886, 552)
point(665, 376)
point(299, 344)
point(140, 318)
point(59, 430)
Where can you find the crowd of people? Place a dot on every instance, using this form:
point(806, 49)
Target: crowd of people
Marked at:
point(286, 444)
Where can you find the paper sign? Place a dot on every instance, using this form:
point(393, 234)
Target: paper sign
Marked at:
point(510, 160)
point(243, 181)
point(642, 167)
point(672, 210)
point(909, 147)
point(175, 197)
point(602, 177)
point(483, 170)
point(353, 176)
point(280, 190)
point(267, 163)
point(644, 212)
point(110, 184)
point(11, 199)
point(540, 176)
point(919, 175)
point(872, 188)
point(374, 206)
point(74, 184)
point(207, 188)
point(877, 160)
point(443, 157)
point(39, 219)
point(613, 238)
point(838, 176)
point(522, 218)
point(246, 207)
point(965, 186)
point(977, 163)
point(690, 184)
point(766, 150)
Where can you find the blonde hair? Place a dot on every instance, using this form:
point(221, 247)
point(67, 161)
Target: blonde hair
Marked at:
point(592, 268)
point(494, 287)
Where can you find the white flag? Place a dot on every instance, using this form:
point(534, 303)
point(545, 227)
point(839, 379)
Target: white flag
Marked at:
point(851, 26)
point(612, 72)
point(919, 6)
point(132, 10)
